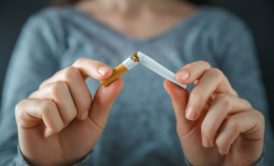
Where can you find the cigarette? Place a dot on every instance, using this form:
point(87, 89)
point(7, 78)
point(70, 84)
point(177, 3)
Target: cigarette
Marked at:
point(158, 69)
point(146, 61)
point(121, 69)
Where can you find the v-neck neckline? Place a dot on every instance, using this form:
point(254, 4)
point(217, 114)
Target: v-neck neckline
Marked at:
point(107, 29)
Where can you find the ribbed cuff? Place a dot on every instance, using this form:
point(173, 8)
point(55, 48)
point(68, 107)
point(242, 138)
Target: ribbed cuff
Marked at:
point(260, 162)
point(21, 161)
point(84, 161)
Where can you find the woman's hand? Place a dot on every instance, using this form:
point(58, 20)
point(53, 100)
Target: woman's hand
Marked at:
point(215, 125)
point(61, 122)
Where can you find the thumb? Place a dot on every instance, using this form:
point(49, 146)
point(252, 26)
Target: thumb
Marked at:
point(179, 99)
point(102, 103)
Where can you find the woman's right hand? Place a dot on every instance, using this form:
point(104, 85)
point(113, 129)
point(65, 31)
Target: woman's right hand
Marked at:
point(60, 123)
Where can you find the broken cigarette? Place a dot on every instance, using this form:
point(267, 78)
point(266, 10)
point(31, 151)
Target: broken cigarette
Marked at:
point(121, 69)
point(146, 61)
point(158, 69)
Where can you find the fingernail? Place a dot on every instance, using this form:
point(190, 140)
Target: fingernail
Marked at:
point(190, 114)
point(184, 75)
point(103, 70)
point(206, 142)
point(84, 115)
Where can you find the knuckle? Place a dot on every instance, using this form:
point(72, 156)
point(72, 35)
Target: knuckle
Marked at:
point(190, 65)
point(19, 112)
point(47, 107)
point(204, 63)
point(19, 109)
point(58, 88)
point(19, 105)
point(33, 94)
point(45, 111)
point(70, 73)
point(259, 116)
point(217, 72)
point(233, 125)
point(225, 100)
point(42, 84)
point(79, 61)
point(246, 103)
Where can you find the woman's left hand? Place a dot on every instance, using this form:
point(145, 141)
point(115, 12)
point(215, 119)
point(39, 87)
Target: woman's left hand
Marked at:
point(215, 125)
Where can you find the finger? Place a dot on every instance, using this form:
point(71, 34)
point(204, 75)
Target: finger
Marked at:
point(92, 68)
point(249, 124)
point(210, 82)
point(192, 71)
point(78, 88)
point(103, 100)
point(30, 112)
point(60, 94)
point(223, 106)
point(179, 99)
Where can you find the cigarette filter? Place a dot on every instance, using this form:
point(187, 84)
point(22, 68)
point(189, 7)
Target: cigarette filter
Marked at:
point(121, 69)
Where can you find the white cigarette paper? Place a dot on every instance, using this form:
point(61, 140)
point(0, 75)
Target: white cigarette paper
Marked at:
point(158, 68)
point(129, 63)
point(141, 58)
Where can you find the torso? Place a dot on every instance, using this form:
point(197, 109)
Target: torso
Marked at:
point(141, 129)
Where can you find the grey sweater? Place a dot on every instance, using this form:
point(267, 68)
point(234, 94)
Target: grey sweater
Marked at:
point(141, 128)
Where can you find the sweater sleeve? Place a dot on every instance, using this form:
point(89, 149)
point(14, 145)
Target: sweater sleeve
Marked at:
point(34, 59)
point(237, 58)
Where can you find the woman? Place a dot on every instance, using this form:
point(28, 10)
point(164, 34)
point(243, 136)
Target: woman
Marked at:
point(62, 119)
